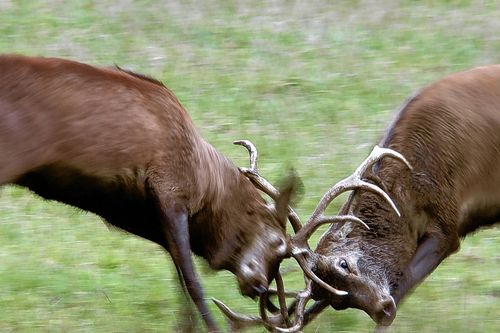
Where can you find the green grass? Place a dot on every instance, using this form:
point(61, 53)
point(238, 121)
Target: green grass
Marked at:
point(312, 83)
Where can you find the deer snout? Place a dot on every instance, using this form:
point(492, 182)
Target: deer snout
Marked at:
point(385, 312)
point(252, 280)
point(259, 263)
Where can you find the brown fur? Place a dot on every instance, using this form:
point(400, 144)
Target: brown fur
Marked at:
point(450, 133)
point(120, 145)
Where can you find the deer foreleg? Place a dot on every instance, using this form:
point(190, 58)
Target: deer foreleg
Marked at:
point(431, 250)
point(176, 230)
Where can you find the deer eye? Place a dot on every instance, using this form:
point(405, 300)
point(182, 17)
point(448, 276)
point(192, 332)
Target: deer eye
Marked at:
point(280, 245)
point(343, 264)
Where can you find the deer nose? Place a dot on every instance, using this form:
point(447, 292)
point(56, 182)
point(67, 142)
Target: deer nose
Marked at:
point(260, 289)
point(253, 288)
point(386, 312)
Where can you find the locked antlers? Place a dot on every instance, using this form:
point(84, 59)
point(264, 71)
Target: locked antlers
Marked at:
point(299, 248)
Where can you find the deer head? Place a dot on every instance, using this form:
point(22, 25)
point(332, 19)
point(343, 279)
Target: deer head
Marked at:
point(256, 264)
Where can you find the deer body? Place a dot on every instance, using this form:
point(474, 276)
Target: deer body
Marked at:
point(450, 134)
point(121, 145)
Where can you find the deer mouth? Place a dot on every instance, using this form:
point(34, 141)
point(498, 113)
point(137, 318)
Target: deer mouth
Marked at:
point(253, 290)
point(252, 281)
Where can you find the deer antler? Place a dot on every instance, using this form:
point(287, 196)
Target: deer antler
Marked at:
point(353, 182)
point(262, 184)
point(302, 298)
point(239, 321)
point(274, 323)
point(299, 247)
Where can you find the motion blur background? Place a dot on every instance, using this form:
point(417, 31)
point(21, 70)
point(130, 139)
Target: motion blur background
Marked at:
point(312, 83)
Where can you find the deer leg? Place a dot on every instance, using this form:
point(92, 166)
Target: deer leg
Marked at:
point(175, 226)
point(431, 250)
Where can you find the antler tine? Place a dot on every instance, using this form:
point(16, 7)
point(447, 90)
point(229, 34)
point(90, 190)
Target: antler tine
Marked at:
point(284, 310)
point(282, 298)
point(302, 316)
point(253, 172)
point(297, 254)
point(236, 320)
point(302, 298)
point(300, 238)
point(308, 315)
point(262, 184)
point(239, 321)
point(272, 291)
point(262, 311)
point(315, 310)
point(355, 181)
point(252, 150)
point(273, 323)
point(294, 220)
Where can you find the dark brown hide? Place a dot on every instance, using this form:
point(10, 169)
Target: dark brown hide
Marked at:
point(450, 133)
point(120, 144)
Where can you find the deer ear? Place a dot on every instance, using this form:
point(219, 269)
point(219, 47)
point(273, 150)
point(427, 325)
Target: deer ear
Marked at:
point(291, 187)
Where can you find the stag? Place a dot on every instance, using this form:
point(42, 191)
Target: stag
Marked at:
point(447, 188)
point(120, 145)
point(449, 133)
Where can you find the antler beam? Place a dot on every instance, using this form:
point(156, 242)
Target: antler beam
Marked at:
point(262, 184)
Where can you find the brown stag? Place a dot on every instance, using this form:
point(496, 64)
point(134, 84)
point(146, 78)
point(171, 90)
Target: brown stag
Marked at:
point(120, 145)
point(449, 134)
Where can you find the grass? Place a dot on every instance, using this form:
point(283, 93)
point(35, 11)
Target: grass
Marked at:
point(313, 84)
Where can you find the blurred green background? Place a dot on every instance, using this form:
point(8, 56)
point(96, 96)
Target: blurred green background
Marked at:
point(312, 83)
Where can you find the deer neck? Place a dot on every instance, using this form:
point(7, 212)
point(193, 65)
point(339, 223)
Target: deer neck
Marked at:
point(391, 239)
point(214, 180)
point(212, 213)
